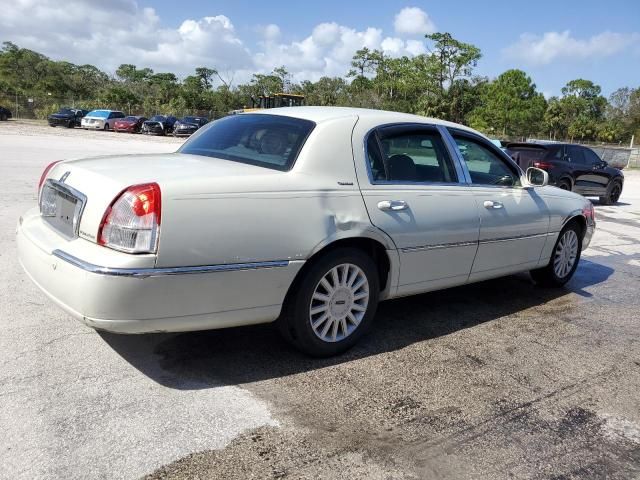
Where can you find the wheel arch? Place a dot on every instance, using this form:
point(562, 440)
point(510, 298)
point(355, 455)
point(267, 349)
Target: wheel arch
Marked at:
point(375, 244)
point(578, 217)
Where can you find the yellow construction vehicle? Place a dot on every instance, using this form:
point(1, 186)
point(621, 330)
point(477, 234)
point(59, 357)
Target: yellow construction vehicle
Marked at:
point(272, 101)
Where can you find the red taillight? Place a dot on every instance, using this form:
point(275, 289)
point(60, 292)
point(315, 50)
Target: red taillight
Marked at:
point(132, 221)
point(543, 165)
point(47, 169)
point(589, 212)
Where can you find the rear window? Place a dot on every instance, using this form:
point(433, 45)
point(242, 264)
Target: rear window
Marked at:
point(269, 141)
point(525, 156)
point(131, 119)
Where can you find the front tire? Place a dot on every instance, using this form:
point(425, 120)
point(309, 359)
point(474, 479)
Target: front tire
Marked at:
point(332, 306)
point(564, 259)
point(614, 190)
point(106, 127)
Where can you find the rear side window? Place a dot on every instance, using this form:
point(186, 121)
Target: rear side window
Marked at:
point(576, 155)
point(410, 154)
point(269, 141)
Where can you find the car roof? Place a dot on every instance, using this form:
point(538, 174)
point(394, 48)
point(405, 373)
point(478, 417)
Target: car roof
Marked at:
point(531, 145)
point(323, 114)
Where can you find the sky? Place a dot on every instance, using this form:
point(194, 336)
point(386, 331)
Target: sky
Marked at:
point(554, 41)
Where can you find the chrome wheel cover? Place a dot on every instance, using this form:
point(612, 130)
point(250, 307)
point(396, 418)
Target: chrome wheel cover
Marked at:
point(339, 302)
point(566, 253)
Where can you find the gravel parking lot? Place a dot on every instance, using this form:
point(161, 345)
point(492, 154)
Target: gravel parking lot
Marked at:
point(500, 379)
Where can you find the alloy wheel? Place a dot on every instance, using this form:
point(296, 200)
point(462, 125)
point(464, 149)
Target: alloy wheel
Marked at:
point(339, 302)
point(565, 254)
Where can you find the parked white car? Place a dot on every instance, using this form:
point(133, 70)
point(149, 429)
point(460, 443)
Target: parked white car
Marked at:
point(101, 119)
point(307, 215)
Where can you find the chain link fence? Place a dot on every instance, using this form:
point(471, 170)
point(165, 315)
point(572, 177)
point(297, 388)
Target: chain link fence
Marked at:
point(39, 107)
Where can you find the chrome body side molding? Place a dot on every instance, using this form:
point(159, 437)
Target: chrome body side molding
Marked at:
point(154, 272)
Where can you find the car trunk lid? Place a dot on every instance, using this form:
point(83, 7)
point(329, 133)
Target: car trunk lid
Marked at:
point(101, 179)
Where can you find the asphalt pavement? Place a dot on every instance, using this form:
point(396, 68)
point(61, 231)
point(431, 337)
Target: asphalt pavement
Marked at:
point(500, 379)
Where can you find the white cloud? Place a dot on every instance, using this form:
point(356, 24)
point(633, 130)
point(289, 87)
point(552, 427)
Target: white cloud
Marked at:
point(108, 34)
point(118, 31)
point(413, 21)
point(270, 32)
point(551, 46)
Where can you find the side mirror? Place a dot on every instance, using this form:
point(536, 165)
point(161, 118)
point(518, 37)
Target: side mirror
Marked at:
point(537, 177)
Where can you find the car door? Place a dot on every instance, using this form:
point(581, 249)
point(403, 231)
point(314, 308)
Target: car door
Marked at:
point(514, 221)
point(595, 176)
point(416, 193)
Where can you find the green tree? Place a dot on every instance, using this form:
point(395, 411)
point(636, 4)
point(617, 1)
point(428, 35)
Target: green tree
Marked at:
point(451, 58)
point(510, 105)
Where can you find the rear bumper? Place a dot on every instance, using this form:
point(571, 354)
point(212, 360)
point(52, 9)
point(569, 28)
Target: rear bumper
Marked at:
point(588, 234)
point(135, 297)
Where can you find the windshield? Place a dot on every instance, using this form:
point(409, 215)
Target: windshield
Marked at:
point(66, 111)
point(157, 118)
point(130, 119)
point(269, 141)
point(99, 113)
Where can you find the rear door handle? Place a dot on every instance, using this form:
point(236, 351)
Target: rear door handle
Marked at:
point(393, 205)
point(492, 204)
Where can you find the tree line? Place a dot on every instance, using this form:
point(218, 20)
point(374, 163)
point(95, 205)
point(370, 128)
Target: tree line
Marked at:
point(441, 83)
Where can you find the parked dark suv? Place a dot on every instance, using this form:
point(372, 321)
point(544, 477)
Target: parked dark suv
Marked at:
point(571, 167)
point(5, 113)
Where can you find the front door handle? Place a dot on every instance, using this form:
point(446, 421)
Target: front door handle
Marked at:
point(492, 204)
point(393, 205)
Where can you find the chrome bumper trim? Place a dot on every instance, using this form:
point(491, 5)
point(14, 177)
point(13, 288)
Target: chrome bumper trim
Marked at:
point(155, 272)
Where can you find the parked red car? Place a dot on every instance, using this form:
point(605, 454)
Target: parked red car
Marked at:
point(131, 124)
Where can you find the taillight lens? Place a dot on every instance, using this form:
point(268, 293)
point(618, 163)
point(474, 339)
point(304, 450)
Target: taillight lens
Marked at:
point(46, 171)
point(543, 165)
point(589, 212)
point(132, 222)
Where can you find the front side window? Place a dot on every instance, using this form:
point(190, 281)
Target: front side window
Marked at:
point(410, 154)
point(270, 141)
point(485, 166)
point(591, 158)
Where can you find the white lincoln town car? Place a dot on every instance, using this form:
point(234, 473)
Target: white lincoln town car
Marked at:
point(307, 216)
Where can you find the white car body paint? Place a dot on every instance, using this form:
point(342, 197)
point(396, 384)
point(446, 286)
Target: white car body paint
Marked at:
point(254, 228)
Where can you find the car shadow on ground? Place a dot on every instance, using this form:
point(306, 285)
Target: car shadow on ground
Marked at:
point(207, 359)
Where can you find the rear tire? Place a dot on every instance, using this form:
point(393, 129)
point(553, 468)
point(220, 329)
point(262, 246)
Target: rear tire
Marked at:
point(564, 185)
point(564, 259)
point(614, 190)
point(332, 306)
